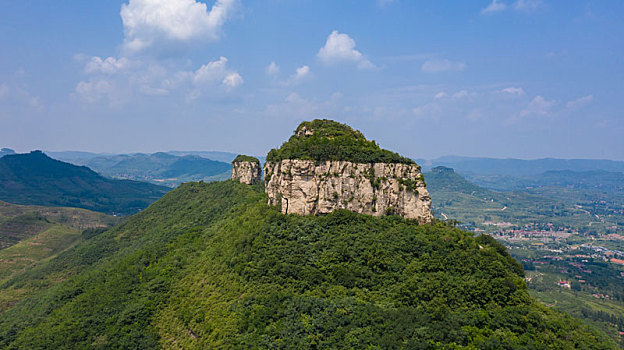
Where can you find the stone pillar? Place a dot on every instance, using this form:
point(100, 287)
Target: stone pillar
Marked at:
point(246, 169)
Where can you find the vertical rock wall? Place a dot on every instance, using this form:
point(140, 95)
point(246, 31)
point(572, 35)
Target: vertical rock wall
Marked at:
point(246, 172)
point(305, 187)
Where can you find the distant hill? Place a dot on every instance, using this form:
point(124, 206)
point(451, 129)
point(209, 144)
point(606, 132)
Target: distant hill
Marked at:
point(212, 266)
point(594, 180)
point(226, 157)
point(35, 178)
point(6, 151)
point(520, 167)
point(160, 168)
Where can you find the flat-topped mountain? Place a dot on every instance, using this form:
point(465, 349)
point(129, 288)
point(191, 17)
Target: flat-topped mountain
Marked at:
point(36, 179)
point(327, 165)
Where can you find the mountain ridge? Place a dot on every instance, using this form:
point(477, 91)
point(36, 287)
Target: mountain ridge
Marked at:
point(36, 179)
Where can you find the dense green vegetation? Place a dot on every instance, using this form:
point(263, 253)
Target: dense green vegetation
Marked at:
point(245, 158)
point(211, 266)
point(35, 178)
point(323, 139)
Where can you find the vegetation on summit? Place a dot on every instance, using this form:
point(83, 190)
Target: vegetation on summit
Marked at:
point(211, 266)
point(323, 139)
point(245, 158)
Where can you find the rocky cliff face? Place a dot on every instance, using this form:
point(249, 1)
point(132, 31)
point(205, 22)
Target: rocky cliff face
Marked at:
point(246, 172)
point(307, 187)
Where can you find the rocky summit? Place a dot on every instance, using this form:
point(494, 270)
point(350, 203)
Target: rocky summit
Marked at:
point(327, 165)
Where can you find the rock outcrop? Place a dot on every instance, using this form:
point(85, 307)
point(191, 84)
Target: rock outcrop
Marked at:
point(246, 169)
point(307, 187)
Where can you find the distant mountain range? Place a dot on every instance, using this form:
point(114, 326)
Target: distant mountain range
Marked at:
point(163, 168)
point(159, 168)
point(520, 167)
point(35, 178)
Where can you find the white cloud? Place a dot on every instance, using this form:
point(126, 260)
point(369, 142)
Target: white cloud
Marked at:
point(108, 65)
point(300, 73)
point(440, 95)
point(494, 6)
point(579, 102)
point(161, 22)
point(513, 91)
point(272, 69)
point(232, 80)
point(214, 73)
point(464, 94)
point(151, 78)
point(340, 48)
point(538, 106)
point(527, 5)
point(442, 65)
point(211, 72)
point(93, 91)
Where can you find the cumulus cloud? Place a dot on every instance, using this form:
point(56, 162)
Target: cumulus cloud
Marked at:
point(272, 69)
point(442, 65)
point(538, 106)
point(494, 6)
point(211, 72)
point(108, 65)
point(150, 22)
point(513, 91)
point(214, 73)
point(440, 95)
point(579, 102)
point(340, 48)
point(300, 73)
point(232, 80)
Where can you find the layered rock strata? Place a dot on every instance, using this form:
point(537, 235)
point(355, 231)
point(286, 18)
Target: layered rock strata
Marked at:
point(246, 172)
point(306, 187)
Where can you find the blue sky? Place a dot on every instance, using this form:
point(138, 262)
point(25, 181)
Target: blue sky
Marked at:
point(514, 78)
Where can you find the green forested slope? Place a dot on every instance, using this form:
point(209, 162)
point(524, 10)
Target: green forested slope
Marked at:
point(211, 266)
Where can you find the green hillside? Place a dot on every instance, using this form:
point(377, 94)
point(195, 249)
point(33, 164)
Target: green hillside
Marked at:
point(30, 235)
point(211, 266)
point(36, 179)
point(19, 222)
